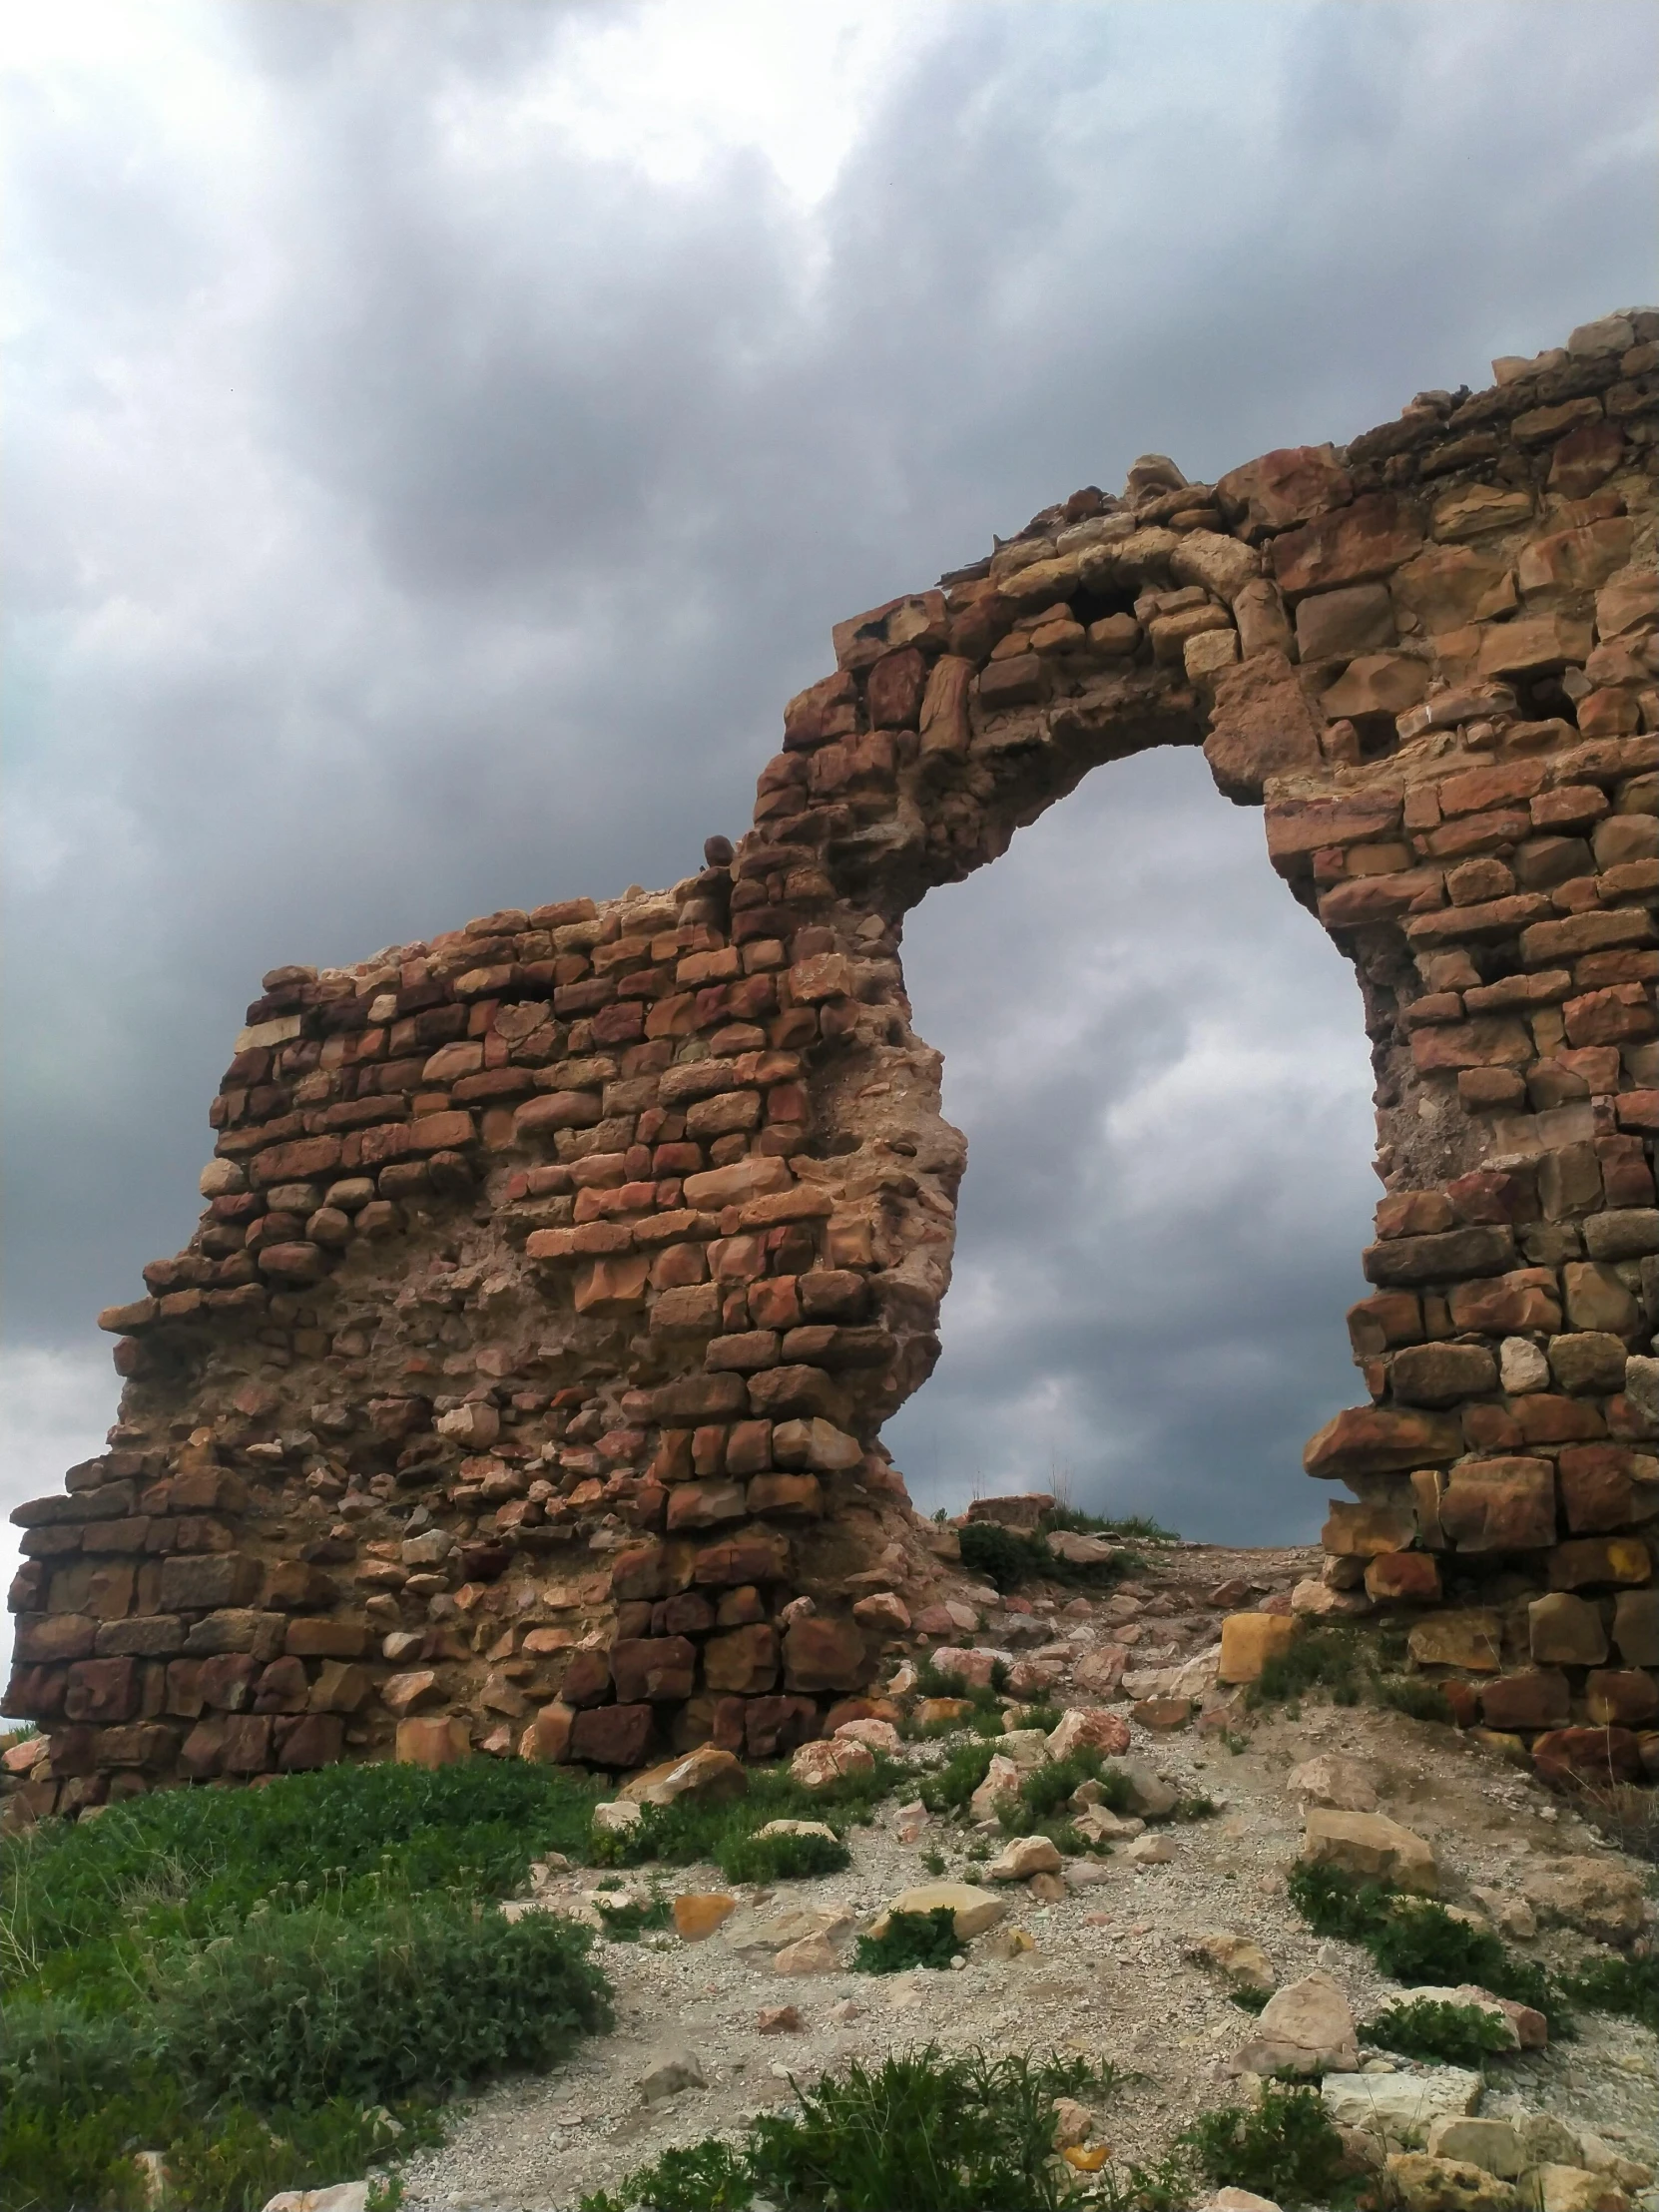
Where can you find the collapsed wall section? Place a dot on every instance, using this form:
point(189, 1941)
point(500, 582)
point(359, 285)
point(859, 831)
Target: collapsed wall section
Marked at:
point(521, 1387)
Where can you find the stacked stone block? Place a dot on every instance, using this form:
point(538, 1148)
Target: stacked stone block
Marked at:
point(522, 1385)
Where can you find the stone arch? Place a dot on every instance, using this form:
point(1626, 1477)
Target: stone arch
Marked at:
point(522, 1385)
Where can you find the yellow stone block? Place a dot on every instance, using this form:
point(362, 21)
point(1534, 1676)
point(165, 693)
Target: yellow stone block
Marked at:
point(1250, 1640)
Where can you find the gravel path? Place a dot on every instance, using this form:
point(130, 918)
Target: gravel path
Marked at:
point(1106, 1974)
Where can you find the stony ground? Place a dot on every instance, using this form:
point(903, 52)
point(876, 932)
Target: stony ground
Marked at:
point(1106, 1974)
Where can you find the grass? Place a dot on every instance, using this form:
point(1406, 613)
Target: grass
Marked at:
point(1626, 1985)
point(1413, 1941)
point(922, 2132)
point(1418, 1700)
point(630, 1918)
point(682, 1835)
point(1011, 1557)
point(273, 1987)
point(1444, 2034)
point(783, 1857)
point(1623, 1812)
point(910, 1939)
point(1284, 2148)
point(1317, 1658)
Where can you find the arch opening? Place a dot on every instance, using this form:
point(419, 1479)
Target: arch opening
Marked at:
point(1159, 1066)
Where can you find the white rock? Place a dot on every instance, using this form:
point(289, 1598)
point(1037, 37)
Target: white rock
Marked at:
point(1522, 1366)
point(617, 1818)
point(875, 1735)
point(1024, 1855)
point(1399, 2108)
point(345, 2196)
point(798, 1828)
point(1026, 1747)
point(818, 1764)
point(1002, 1779)
point(1149, 1851)
point(672, 2069)
point(1303, 2029)
point(1333, 1780)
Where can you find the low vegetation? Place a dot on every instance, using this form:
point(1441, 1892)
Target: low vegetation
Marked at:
point(1416, 1942)
point(1010, 1557)
point(1284, 2148)
point(1443, 2035)
point(275, 1987)
point(910, 1939)
point(927, 2131)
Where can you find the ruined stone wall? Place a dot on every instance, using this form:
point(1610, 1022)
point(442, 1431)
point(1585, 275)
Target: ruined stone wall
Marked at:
point(522, 1385)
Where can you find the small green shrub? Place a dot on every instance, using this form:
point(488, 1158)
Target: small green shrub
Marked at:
point(1131, 1527)
point(303, 2007)
point(910, 1939)
point(629, 1918)
point(1422, 1701)
point(1284, 2148)
point(1413, 1941)
point(1008, 1558)
point(1449, 2034)
point(1248, 2000)
point(923, 2132)
point(949, 1787)
point(1626, 1985)
point(1316, 1659)
point(1198, 1807)
point(933, 1861)
point(781, 1857)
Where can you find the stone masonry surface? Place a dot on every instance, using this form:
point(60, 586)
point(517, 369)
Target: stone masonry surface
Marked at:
point(521, 1387)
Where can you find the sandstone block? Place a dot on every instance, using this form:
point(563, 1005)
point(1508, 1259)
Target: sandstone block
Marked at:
point(1334, 1780)
point(1598, 1898)
point(1499, 1505)
point(1261, 726)
point(1304, 2029)
point(1567, 1631)
point(612, 1734)
point(821, 1654)
point(1372, 1439)
point(1441, 1373)
point(828, 1760)
point(1250, 1640)
point(1372, 1847)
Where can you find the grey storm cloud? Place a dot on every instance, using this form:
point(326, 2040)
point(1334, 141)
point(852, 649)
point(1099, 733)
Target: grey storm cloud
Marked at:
point(419, 503)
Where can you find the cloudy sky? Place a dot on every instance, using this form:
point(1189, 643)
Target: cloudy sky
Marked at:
point(440, 437)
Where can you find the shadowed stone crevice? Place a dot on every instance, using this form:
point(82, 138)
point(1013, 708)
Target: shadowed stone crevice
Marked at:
point(522, 1385)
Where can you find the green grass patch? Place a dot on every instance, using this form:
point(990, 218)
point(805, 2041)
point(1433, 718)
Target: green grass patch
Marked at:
point(1420, 1700)
point(1249, 2001)
point(948, 1788)
point(1316, 1659)
point(1413, 1941)
point(682, 1834)
point(1284, 2148)
point(923, 2132)
point(631, 1918)
point(910, 1939)
point(1130, 1527)
point(270, 1987)
point(1625, 1986)
point(1446, 2034)
point(783, 1857)
point(1010, 1557)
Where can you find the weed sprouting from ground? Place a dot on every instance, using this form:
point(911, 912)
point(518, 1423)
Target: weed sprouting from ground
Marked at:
point(783, 1857)
point(1446, 2034)
point(922, 2132)
point(1413, 1941)
point(1316, 1658)
point(1009, 1557)
point(1284, 2148)
point(910, 1939)
point(631, 1918)
point(1626, 1985)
